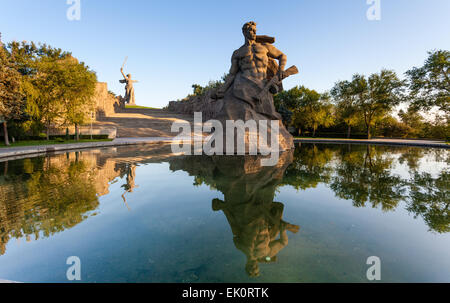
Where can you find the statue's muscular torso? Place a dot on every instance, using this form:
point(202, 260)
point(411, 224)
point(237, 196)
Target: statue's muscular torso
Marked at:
point(253, 60)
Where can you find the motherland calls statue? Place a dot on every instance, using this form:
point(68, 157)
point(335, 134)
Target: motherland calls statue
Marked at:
point(129, 89)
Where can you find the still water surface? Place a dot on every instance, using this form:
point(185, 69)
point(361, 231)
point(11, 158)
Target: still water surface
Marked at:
point(140, 214)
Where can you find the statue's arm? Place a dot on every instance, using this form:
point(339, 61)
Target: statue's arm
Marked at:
point(277, 54)
point(121, 70)
point(277, 245)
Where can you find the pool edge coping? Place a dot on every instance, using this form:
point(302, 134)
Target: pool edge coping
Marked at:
point(28, 151)
point(19, 152)
point(374, 142)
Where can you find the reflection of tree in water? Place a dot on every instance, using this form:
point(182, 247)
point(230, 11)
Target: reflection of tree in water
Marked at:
point(364, 174)
point(44, 196)
point(412, 157)
point(430, 198)
point(311, 166)
point(249, 190)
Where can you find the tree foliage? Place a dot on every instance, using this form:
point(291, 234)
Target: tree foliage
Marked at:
point(430, 84)
point(346, 108)
point(57, 87)
point(310, 109)
point(11, 91)
point(376, 95)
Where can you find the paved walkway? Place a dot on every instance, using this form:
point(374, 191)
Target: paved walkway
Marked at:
point(23, 151)
point(403, 142)
point(7, 281)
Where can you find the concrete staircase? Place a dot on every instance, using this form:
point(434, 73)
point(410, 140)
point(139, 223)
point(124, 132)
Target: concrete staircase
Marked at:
point(136, 122)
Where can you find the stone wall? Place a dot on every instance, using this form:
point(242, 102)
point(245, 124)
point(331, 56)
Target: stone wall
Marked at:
point(205, 104)
point(105, 103)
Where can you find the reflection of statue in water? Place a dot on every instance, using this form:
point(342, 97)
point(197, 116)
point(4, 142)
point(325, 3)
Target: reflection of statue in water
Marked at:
point(130, 185)
point(249, 190)
point(256, 234)
point(129, 89)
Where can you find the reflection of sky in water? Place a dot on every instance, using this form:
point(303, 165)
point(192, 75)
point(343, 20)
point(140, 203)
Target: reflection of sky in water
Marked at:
point(170, 233)
point(430, 163)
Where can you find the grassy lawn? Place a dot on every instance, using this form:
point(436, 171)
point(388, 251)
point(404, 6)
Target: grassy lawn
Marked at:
point(138, 106)
point(45, 142)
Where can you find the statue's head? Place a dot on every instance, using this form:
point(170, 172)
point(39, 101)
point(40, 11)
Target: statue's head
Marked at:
point(249, 30)
point(129, 76)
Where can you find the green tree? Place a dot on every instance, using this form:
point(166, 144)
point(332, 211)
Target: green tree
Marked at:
point(41, 79)
point(50, 97)
point(346, 109)
point(312, 109)
point(58, 88)
point(197, 89)
point(389, 126)
point(429, 85)
point(11, 95)
point(413, 119)
point(376, 95)
point(78, 84)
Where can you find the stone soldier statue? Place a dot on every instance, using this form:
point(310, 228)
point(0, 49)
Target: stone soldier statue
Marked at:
point(129, 89)
point(257, 70)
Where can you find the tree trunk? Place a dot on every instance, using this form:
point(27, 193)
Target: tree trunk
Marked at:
point(368, 132)
point(314, 132)
point(349, 131)
point(5, 132)
point(77, 136)
point(48, 131)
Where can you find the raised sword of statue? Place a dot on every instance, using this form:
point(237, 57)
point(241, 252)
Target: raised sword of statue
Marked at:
point(124, 61)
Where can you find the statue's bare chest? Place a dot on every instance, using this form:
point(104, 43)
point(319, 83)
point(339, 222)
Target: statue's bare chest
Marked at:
point(252, 53)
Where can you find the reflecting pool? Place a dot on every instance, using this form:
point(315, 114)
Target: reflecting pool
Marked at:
point(142, 214)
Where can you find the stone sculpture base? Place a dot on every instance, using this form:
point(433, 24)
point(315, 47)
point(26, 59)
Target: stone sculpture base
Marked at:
point(230, 108)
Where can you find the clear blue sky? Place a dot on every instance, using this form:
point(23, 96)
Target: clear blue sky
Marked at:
point(173, 44)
